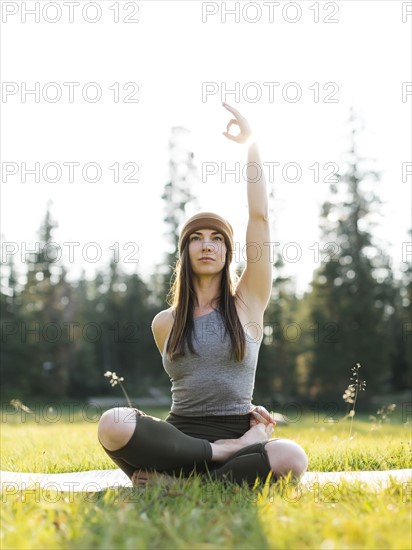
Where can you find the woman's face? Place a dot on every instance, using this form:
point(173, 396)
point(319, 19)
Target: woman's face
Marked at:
point(207, 251)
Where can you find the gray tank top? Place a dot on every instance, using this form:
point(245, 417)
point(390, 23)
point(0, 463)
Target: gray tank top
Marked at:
point(211, 383)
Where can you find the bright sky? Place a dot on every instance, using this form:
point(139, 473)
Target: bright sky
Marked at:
point(296, 81)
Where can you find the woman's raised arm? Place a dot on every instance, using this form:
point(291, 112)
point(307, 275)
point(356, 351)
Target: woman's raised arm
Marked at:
point(255, 284)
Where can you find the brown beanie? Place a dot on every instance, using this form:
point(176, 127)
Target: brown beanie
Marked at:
point(208, 220)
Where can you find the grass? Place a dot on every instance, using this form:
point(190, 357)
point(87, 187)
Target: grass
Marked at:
point(209, 515)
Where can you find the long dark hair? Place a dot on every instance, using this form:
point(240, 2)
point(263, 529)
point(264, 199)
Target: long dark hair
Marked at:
point(182, 296)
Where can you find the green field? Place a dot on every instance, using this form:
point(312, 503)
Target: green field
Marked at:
point(192, 514)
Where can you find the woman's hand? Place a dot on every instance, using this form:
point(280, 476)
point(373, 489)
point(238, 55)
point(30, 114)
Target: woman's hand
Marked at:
point(245, 130)
point(260, 414)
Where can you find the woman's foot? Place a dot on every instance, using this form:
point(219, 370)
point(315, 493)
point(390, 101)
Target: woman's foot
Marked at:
point(222, 449)
point(144, 478)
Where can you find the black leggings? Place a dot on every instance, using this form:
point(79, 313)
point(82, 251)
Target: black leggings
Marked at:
point(159, 445)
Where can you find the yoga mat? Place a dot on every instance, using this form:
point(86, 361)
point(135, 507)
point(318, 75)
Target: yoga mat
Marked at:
point(98, 480)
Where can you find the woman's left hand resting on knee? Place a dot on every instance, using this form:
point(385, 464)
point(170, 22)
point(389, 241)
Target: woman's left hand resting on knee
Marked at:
point(260, 414)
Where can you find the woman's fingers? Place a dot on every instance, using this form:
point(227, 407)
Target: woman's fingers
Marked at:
point(239, 120)
point(259, 414)
point(232, 121)
point(262, 415)
point(244, 128)
point(258, 417)
point(232, 110)
point(229, 125)
point(232, 138)
point(269, 429)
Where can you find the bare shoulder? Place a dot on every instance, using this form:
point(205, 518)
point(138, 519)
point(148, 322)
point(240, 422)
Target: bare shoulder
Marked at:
point(161, 326)
point(163, 317)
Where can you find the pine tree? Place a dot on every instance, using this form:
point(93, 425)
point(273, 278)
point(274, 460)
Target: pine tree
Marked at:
point(276, 376)
point(352, 292)
point(178, 200)
point(43, 299)
point(124, 314)
point(86, 371)
point(13, 356)
point(401, 331)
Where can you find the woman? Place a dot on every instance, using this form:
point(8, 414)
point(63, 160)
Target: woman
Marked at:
point(209, 340)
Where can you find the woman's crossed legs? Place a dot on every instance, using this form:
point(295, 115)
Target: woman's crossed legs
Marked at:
point(142, 445)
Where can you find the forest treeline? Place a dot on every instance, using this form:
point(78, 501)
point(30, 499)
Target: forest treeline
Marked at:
point(59, 337)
